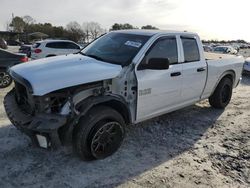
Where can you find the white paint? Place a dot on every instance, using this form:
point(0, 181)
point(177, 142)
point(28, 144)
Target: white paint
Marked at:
point(173, 93)
point(54, 73)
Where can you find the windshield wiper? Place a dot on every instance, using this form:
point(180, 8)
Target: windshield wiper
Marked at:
point(93, 56)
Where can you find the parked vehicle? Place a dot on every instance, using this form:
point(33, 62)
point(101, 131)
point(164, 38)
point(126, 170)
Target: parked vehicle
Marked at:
point(25, 49)
point(207, 48)
point(225, 50)
point(7, 60)
point(124, 77)
point(49, 48)
point(247, 66)
point(14, 43)
point(3, 44)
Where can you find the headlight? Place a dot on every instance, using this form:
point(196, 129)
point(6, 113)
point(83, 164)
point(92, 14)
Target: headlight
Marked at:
point(51, 103)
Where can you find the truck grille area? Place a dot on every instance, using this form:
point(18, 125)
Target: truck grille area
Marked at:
point(23, 98)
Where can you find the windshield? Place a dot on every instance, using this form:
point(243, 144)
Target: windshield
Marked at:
point(117, 48)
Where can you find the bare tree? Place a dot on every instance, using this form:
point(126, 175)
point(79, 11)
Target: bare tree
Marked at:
point(7, 24)
point(28, 19)
point(92, 30)
point(76, 31)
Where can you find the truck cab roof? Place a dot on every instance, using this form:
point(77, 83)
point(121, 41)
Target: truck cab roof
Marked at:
point(153, 32)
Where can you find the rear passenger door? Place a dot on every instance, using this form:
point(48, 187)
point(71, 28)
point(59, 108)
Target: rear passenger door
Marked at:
point(55, 48)
point(194, 70)
point(63, 48)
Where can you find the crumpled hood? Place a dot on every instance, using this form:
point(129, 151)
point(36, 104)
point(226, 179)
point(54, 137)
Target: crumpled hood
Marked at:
point(54, 73)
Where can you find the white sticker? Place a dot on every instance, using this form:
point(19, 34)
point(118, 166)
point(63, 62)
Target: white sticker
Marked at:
point(133, 44)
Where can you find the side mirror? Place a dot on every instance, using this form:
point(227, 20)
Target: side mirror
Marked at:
point(155, 64)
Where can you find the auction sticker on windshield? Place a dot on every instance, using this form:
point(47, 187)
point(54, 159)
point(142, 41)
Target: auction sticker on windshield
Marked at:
point(133, 44)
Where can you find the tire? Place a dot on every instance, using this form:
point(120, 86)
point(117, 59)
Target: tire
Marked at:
point(222, 94)
point(99, 134)
point(5, 78)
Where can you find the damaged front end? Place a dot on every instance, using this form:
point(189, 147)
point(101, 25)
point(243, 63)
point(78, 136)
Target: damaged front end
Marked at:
point(37, 117)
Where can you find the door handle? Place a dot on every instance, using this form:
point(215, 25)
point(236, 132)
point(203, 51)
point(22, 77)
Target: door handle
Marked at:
point(201, 69)
point(175, 74)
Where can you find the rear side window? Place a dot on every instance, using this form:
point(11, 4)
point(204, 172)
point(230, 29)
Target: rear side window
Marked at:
point(164, 48)
point(36, 45)
point(51, 45)
point(55, 45)
point(191, 50)
point(58, 45)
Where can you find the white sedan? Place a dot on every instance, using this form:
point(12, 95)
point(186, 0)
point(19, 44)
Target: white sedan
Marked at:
point(49, 48)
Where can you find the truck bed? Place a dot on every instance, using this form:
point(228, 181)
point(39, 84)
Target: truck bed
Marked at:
point(216, 56)
point(217, 65)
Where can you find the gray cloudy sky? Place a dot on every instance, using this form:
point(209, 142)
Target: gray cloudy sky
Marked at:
point(217, 19)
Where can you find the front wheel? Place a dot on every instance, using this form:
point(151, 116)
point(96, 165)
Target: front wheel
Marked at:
point(99, 134)
point(5, 78)
point(222, 94)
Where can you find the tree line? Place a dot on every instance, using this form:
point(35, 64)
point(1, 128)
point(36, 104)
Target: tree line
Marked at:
point(74, 31)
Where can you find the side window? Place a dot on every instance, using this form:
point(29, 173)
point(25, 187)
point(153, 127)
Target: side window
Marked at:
point(164, 48)
point(62, 45)
point(191, 50)
point(71, 45)
point(53, 45)
point(58, 45)
point(50, 45)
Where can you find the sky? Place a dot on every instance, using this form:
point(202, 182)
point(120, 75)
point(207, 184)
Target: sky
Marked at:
point(211, 19)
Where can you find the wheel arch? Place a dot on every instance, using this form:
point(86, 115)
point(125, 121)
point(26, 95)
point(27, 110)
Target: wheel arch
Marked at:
point(114, 102)
point(227, 74)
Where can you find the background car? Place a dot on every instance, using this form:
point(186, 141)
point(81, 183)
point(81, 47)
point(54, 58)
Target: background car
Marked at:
point(48, 48)
point(13, 43)
point(207, 48)
point(25, 49)
point(3, 44)
point(7, 60)
point(225, 50)
point(246, 68)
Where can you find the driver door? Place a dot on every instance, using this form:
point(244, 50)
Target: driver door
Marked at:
point(159, 90)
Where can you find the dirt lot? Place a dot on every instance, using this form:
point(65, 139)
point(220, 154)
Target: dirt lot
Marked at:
point(195, 147)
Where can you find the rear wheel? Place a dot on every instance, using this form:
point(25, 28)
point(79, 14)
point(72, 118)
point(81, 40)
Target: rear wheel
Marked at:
point(5, 78)
point(222, 94)
point(99, 134)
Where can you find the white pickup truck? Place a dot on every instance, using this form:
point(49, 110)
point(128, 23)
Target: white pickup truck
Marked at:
point(122, 78)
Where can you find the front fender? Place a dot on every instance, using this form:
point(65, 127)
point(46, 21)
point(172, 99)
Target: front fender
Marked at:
point(114, 101)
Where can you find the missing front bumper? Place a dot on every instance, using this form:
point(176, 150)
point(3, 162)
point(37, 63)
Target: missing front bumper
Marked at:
point(45, 125)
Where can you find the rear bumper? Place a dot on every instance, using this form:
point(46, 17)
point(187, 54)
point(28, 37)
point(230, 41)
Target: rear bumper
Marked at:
point(45, 125)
